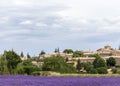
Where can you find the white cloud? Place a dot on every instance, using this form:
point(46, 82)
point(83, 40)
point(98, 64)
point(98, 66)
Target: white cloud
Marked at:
point(27, 22)
point(40, 24)
point(56, 26)
point(4, 19)
point(13, 32)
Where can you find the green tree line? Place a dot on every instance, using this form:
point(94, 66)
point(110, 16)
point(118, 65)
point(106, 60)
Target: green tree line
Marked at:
point(11, 63)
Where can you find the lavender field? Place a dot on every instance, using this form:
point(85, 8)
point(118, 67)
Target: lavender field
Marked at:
point(58, 81)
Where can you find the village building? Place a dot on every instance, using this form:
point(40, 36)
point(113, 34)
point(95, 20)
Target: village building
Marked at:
point(106, 52)
point(88, 52)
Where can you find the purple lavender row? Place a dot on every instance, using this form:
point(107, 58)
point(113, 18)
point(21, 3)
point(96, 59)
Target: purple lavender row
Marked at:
point(58, 81)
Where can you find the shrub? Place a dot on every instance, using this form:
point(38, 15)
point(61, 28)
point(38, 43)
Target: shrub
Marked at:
point(117, 66)
point(114, 70)
point(92, 71)
point(36, 73)
point(102, 70)
point(118, 72)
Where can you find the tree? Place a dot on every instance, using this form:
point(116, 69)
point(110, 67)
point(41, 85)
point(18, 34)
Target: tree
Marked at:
point(119, 47)
point(111, 62)
point(12, 60)
point(78, 54)
point(100, 65)
point(99, 62)
point(42, 52)
point(28, 56)
point(26, 67)
point(29, 68)
point(68, 51)
point(22, 55)
point(57, 64)
point(3, 65)
point(20, 69)
point(78, 66)
point(87, 66)
point(94, 55)
point(57, 50)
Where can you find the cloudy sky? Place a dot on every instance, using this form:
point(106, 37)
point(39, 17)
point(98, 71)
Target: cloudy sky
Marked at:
point(35, 25)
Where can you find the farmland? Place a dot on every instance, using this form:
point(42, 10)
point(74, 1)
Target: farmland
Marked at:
point(20, 80)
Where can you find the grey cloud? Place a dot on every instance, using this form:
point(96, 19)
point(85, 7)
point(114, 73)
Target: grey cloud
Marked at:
point(42, 26)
